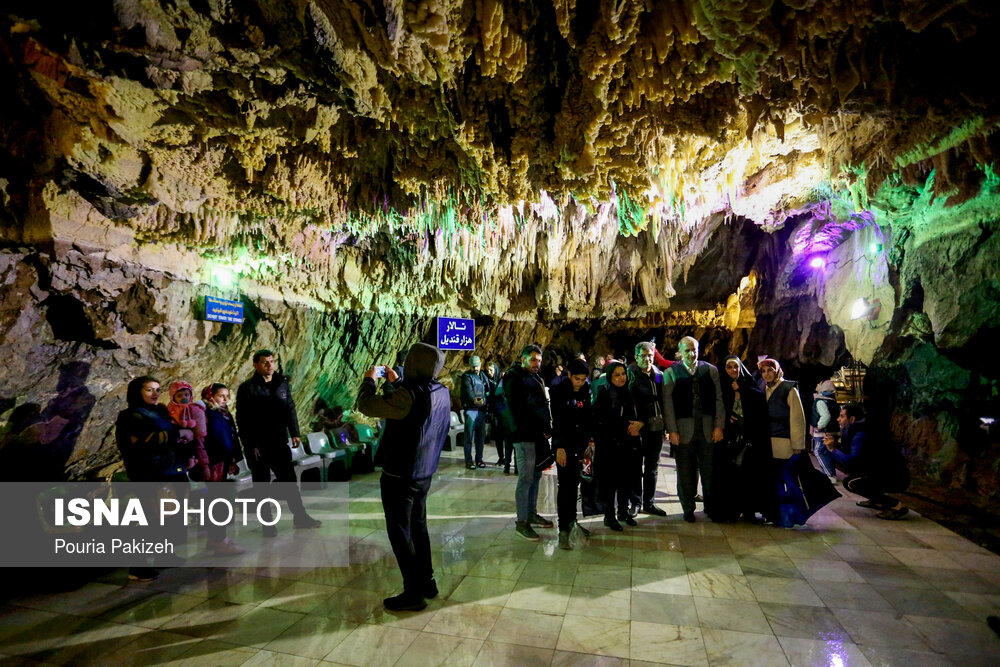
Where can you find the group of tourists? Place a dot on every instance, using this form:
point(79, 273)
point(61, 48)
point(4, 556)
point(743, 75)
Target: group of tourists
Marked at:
point(200, 440)
point(741, 436)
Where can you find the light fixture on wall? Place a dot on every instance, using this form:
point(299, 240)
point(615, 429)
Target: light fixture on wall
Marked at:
point(869, 310)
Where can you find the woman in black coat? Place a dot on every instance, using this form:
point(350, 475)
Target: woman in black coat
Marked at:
point(617, 459)
point(744, 459)
point(153, 448)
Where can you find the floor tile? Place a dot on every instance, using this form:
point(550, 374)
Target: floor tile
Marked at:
point(877, 628)
point(601, 636)
point(600, 602)
point(923, 602)
point(822, 653)
point(661, 581)
point(727, 586)
point(464, 620)
point(803, 622)
point(680, 644)
point(567, 659)
point(482, 590)
point(601, 577)
point(497, 654)
point(551, 598)
point(881, 656)
point(662, 608)
point(431, 650)
point(783, 591)
point(957, 637)
point(731, 615)
point(727, 647)
point(312, 636)
point(526, 627)
point(829, 570)
point(923, 558)
point(213, 652)
point(839, 595)
point(372, 645)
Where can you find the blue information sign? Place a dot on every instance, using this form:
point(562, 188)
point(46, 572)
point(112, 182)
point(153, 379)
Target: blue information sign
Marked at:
point(455, 333)
point(223, 310)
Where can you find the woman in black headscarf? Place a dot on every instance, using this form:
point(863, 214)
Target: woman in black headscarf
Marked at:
point(617, 460)
point(743, 461)
point(153, 448)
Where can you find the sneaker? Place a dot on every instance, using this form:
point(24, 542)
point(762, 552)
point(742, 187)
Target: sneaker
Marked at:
point(481, 464)
point(613, 524)
point(524, 529)
point(143, 574)
point(431, 590)
point(564, 540)
point(307, 522)
point(689, 518)
point(654, 510)
point(225, 548)
point(470, 466)
point(893, 514)
point(405, 602)
point(539, 520)
point(270, 531)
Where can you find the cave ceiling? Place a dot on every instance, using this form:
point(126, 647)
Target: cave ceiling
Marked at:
point(597, 143)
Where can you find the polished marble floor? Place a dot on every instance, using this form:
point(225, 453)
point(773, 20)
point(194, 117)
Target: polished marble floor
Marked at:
point(848, 589)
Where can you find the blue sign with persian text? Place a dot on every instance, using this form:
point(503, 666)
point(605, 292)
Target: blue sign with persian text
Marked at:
point(456, 333)
point(223, 310)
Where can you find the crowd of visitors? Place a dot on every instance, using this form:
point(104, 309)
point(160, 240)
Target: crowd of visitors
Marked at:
point(741, 437)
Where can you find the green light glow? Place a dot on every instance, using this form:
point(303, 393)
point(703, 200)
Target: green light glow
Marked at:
point(875, 248)
point(223, 276)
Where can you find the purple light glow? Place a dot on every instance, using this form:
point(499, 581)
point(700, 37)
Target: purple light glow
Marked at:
point(817, 263)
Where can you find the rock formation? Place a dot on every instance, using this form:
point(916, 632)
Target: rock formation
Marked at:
point(578, 173)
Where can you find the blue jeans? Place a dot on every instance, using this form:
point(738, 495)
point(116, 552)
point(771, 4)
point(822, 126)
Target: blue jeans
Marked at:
point(475, 431)
point(526, 492)
point(825, 457)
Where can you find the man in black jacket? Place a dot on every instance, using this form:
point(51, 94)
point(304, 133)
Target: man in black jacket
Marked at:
point(646, 383)
point(572, 431)
point(417, 411)
point(528, 401)
point(265, 415)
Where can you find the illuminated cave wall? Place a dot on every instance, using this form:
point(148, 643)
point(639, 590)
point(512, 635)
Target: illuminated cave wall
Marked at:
point(576, 173)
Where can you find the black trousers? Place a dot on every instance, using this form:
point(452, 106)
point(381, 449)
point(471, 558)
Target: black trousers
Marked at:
point(616, 473)
point(404, 502)
point(276, 458)
point(569, 486)
point(644, 490)
point(872, 488)
point(693, 458)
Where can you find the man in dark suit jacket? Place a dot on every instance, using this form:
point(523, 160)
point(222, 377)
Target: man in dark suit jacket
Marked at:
point(694, 416)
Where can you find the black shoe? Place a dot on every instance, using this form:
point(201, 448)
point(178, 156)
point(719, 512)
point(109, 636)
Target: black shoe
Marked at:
point(405, 602)
point(143, 574)
point(586, 533)
point(270, 531)
point(613, 524)
point(564, 540)
point(539, 520)
point(628, 520)
point(480, 464)
point(699, 499)
point(506, 471)
point(306, 523)
point(654, 510)
point(893, 514)
point(689, 518)
point(431, 590)
point(524, 529)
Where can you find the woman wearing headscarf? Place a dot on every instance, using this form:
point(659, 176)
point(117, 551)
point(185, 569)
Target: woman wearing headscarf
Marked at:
point(152, 446)
point(617, 458)
point(744, 459)
point(189, 415)
point(792, 470)
point(222, 445)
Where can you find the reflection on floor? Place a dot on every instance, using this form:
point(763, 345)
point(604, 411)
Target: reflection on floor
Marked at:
point(848, 589)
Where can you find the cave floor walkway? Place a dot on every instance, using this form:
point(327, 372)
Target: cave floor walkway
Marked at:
point(847, 589)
